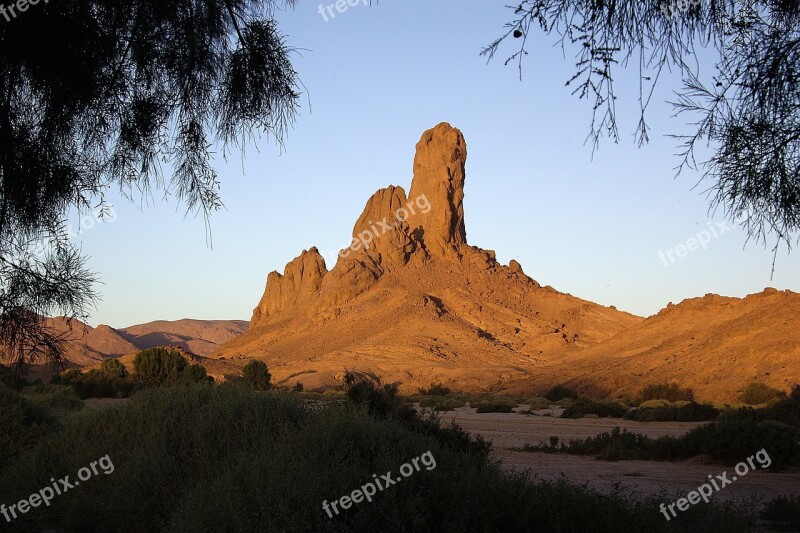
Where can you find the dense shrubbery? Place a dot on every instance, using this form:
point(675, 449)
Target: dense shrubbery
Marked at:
point(604, 409)
point(671, 392)
point(275, 461)
point(95, 384)
point(160, 366)
point(435, 389)
point(23, 423)
point(380, 400)
point(733, 437)
point(499, 405)
point(759, 393)
point(559, 392)
point(152, 367)
point(691, 412)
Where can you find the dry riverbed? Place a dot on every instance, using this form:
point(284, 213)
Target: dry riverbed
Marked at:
point(513, 430)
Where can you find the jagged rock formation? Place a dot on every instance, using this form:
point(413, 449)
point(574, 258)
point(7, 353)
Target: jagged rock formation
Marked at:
point(412, 301)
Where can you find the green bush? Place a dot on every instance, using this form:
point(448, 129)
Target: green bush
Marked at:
point(759, 393)
point(664, 391)
point(559, 392)
point(380, 400)
point(112, 368)
point(435, 389)
point(500, 405)
point(584, 407)
point(440, 403)
point(256, 375)
point(157, 366)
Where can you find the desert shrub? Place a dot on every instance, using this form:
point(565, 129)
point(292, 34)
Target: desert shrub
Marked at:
point(690, 412)
point(298, 387)
point(276, 462)
point(565, 402)
point(157, 366)
point(760, 393)
point(380, 400)
point(440, 403)
point(54, 398)
point(655, 404)
point(664, 391)
point(559, 392)
point(256, 375)
point(23, 423)
point(95, 384)
point(782, 513)
point(584, 407)
point(729, 440)
point(435, 389)
point(537, 403)
point(500, 405)
point(195, 373)
point(113, 368)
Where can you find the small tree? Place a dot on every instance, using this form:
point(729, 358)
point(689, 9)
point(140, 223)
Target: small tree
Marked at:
point(256, 375)
point(758, 393)
point(112, 368)
point(196, 374)
point(156, 366)
point(671, 392)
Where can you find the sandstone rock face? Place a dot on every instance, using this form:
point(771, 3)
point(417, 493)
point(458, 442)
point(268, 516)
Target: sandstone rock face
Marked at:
point(300, 281)
point(439, 178)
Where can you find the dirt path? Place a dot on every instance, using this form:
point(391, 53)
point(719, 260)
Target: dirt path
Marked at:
point(513, 430)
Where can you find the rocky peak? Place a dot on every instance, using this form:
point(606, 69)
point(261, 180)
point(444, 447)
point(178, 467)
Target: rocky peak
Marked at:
point(439, 179)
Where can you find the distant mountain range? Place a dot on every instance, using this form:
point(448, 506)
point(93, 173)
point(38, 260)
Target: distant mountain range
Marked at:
point(90, 345)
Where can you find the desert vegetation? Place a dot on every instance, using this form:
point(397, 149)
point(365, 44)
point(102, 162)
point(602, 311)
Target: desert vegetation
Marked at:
point(734, 434)
point(276, 461)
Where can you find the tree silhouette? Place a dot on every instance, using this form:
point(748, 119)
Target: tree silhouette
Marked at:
point(130, 94)
point(749, 111)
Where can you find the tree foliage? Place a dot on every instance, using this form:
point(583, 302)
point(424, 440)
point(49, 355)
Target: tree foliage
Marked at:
point(256, 375)
point(747, 107)
point(130, 94)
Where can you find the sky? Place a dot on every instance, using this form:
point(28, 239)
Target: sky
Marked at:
point(587, 223)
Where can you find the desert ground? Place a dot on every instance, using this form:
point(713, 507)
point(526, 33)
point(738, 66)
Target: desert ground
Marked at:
point(509, 432)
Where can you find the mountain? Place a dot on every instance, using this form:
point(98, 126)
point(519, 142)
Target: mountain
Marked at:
point(714, 344)
point(411, 301)
point(87, 345)
point(200, 337)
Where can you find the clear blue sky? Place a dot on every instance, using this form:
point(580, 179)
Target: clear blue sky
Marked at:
point(377, 77)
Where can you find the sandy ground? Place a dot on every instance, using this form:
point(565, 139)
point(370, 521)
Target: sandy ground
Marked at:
point(513, 430)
